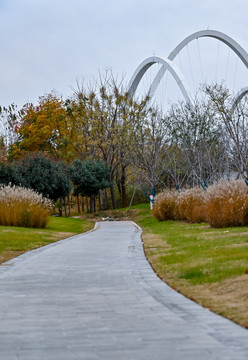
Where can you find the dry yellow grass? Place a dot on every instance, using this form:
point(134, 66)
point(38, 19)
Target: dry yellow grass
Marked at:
point(23, 207)
point(228, 298)
point(224, 204)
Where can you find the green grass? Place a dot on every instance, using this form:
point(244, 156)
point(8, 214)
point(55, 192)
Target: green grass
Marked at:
point(197, 252)
point(72, 225)
point(16, 240)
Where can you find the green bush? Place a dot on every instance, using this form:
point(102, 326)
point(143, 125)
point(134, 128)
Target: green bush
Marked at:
point(44, 175)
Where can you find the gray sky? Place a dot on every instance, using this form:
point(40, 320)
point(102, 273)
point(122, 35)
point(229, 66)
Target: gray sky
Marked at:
point(48, 44)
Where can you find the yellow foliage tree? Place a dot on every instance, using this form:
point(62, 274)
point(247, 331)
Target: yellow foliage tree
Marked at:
point(43, 127)
point(103, 120)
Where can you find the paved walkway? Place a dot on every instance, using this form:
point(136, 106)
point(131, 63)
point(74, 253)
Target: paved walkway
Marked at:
point(94, 296)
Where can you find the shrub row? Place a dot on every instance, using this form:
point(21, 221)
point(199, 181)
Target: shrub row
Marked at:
point(224, 204)
point(23, 207)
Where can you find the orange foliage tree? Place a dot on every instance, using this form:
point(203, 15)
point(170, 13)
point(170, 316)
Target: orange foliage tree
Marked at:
point(43, 127)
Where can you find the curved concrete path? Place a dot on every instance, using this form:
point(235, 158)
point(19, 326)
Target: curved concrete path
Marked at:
point(94, 296)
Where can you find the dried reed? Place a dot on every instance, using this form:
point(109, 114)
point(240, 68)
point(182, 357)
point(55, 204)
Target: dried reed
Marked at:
point(23, 207)
point(165, 205)
point(224, 204)
point(227, 204)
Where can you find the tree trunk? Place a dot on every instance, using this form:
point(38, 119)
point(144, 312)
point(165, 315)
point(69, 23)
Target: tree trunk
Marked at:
point(131, 201)
point(101, 200)
point(123, 187)
point(105, 204)
point(65, 207)
point(78, 204)
point(112, 190)
point(99, 205)
point(69, 205)
point(92, 204)
point(60, 207)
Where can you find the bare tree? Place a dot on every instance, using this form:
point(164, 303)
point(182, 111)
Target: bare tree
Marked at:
point(235, 125)
point(150, 144)
point(103, 116)
point(9, 124)
point(197, 152)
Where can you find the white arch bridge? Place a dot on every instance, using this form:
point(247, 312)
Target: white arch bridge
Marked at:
point(168, 64)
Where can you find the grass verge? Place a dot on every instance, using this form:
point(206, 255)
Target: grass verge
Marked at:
point(15, 241)
point(207, 265)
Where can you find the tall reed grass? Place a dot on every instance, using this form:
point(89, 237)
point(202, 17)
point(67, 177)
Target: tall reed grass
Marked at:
point(191, 205)
point(165, 205)
point(227, 204)
point(224, 204)
point(23, 207)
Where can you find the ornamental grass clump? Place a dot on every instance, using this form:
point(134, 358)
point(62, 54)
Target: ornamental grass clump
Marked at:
point(165, 205)
point(191, 205)
point(23, 207)
point(227, 204)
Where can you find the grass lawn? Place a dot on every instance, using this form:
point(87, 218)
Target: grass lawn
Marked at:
point(17, 240)
point(207, 265)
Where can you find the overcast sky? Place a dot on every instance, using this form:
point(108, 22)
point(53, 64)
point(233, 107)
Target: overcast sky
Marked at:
point(49, 44)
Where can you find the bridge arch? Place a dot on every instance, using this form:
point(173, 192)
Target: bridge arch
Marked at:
point(233, 45)
point(167, 65)
point(238, 97)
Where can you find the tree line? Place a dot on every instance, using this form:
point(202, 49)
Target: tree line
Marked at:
point(101, 130)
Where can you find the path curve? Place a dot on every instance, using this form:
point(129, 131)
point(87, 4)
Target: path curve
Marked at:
point(94, 296)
